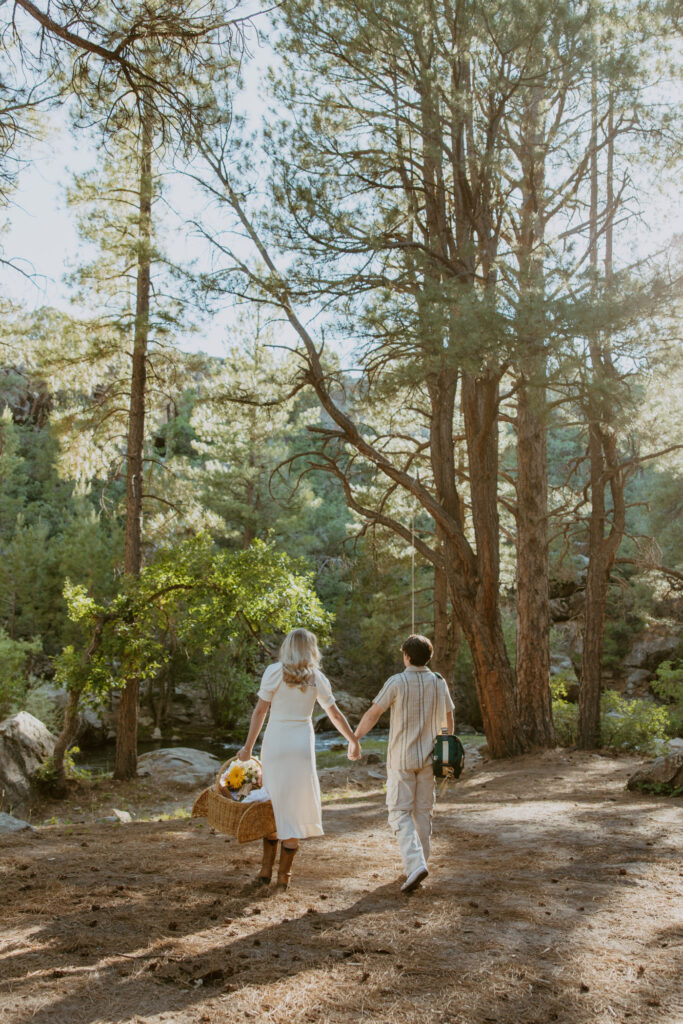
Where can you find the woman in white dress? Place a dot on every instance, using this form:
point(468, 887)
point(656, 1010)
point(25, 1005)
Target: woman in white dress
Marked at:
point(289, 689)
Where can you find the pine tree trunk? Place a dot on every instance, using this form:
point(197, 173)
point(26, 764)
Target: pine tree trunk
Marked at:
point(447, 631)
point(533, 598)
point(495, 684)
point(481, 615)
point(596, 584)
point(596, 600)
point(125, 763)
point(532, 667)
point(604, 467)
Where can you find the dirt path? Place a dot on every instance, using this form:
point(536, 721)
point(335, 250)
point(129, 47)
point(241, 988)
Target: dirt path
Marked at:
point(554, 895)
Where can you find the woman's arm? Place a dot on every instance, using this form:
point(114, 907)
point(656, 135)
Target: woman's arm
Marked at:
point(341, 725)
point(257, 718)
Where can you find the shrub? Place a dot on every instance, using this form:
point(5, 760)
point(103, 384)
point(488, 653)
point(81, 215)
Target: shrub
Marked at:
point(14, 655)
point(565, 713)
point(668, 685)
point(47, 776)
point(228, 683)
point(40, 701)
point(624, 724)
point(632, 724)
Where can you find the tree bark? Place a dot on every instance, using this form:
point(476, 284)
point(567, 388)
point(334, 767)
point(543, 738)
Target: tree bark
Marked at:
point(482, 624)
point(125, 762)
point(596, 599)
point(532, 668)
point(604, 467)
point(447, 631)
point(532, 572)
point(67, 735)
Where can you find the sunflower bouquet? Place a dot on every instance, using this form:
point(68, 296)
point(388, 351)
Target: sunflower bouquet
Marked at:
point(239, 778)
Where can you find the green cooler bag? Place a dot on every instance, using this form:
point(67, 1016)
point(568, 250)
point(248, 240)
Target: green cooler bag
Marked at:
point(448, 757)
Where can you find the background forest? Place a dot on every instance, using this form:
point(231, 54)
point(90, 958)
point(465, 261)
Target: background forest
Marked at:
point(449, 395)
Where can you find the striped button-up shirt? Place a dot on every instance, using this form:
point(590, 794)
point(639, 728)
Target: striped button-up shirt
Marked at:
point(419, 701)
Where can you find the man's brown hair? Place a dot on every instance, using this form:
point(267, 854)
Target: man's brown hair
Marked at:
point(418, 648)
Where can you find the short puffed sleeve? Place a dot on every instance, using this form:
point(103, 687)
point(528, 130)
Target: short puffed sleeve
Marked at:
point(324, 694)
point(270, 681)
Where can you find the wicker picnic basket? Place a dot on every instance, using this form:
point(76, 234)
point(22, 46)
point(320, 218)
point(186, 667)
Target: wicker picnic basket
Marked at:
point(246, 822)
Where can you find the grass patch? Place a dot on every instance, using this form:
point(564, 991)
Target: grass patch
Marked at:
point(338, 758)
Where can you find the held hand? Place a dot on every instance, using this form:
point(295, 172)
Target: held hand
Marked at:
point(243, 754)
point(354, 751)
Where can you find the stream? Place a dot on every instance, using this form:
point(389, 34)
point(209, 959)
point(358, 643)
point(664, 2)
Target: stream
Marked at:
point(101, 759)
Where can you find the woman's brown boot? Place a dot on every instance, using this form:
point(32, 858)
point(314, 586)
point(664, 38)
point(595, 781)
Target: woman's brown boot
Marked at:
point(269, 853)
point(284, 870)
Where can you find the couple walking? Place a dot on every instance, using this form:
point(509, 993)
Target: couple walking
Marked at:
point(420, 707)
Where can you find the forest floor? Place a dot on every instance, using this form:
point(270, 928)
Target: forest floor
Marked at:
point(554, 895)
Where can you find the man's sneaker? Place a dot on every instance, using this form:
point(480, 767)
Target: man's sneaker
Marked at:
point(414, 879)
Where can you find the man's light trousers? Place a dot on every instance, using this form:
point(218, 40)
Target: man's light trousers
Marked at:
point(410, 800)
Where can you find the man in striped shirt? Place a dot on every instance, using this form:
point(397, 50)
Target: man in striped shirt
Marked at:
point(421, 707)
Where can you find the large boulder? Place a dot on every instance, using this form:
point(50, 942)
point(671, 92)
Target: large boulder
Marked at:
point(25, 744)
point(180, 767)
point(650, 651)
point(666, 772)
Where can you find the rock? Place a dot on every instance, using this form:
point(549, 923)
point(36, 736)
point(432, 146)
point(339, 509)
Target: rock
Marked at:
point(8, 823)
point(636, 681)
point(561, 664)
point(156, 735)
point(564, 608)
point(664, 771)
point(180, 767)
point(651, 651)
point(25, 744)
point(123, 816)
point(675, 745)
point(371, 758)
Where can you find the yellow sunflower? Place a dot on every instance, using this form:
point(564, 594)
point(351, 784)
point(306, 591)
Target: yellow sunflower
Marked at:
point(236, 777)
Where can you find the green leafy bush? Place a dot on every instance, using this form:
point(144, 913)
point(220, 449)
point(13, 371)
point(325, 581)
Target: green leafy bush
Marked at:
point(632, 724)
point(624, 724)
point(228, 684)
point(668, 685)
point(40, 702)
point(14, 655)
point(565, 713)
point(47, 775)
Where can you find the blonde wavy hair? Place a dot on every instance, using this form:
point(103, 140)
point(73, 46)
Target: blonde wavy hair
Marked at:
point(299, 657)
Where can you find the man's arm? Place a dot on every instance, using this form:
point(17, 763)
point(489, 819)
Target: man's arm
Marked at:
point(368, 721)
point(450, 723)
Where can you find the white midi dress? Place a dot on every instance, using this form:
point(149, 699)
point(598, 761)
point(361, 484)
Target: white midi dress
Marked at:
point(288, 753)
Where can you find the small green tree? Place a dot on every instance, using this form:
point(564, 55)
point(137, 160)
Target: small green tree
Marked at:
point(213, 595)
